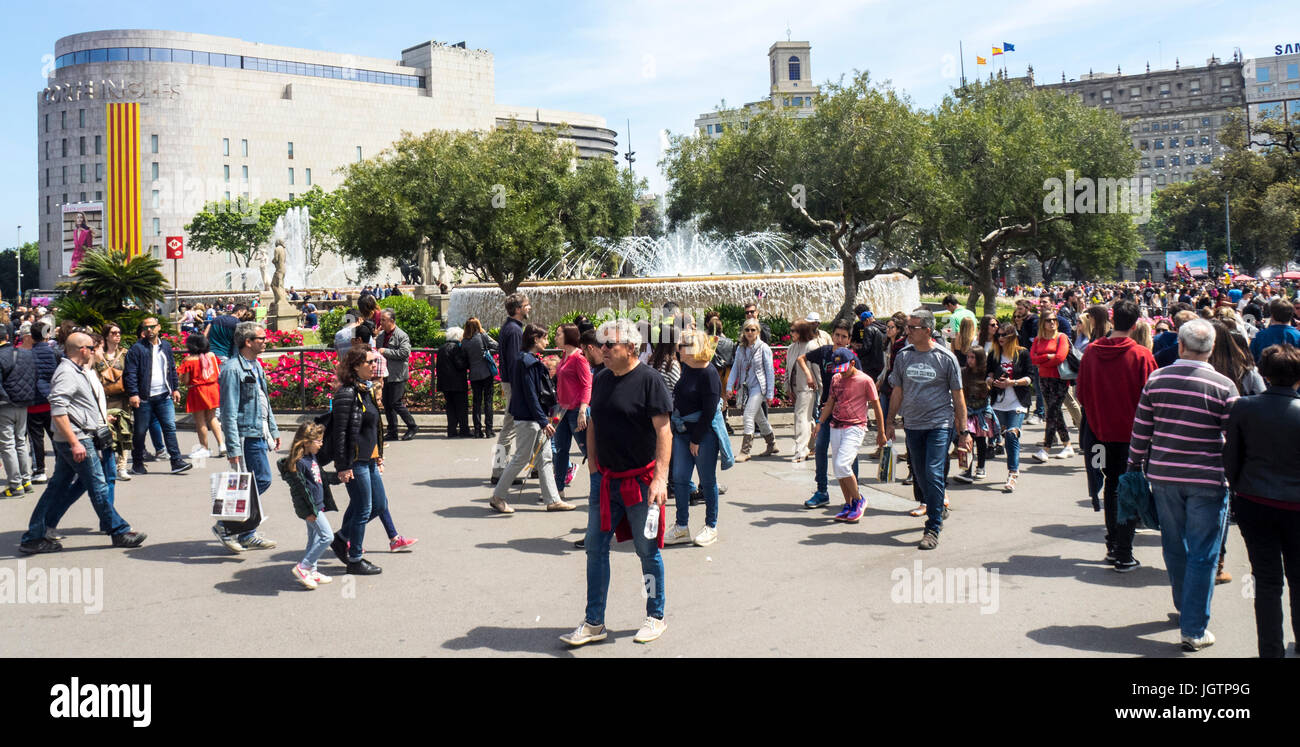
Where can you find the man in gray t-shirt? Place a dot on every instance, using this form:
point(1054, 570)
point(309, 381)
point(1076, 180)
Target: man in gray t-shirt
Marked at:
point(928, 394)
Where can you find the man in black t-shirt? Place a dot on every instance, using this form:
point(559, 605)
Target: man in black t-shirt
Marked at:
point(629, 444)
point(820, 359)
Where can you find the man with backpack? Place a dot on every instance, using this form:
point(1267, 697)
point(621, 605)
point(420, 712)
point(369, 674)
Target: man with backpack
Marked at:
point(17, 391)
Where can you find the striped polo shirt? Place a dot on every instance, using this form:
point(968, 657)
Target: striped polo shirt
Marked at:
point(1178, 427)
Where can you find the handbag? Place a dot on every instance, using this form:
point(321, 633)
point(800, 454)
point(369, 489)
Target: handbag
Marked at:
point(111, 378)
point(1069, 368)
point(491, 362)
point(886, 470)
point(231, 495)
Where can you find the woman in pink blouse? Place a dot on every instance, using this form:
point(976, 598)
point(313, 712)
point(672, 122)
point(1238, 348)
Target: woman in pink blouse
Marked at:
point(82, 239)
point(573, 394)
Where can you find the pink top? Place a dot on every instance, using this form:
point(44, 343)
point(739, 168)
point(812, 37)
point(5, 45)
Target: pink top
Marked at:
point(851, 398)
point(573, 381)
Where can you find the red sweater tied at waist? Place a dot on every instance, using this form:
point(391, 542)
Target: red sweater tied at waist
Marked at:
point(630, 482)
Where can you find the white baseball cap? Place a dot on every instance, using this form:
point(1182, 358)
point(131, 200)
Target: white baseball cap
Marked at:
point(813, 317)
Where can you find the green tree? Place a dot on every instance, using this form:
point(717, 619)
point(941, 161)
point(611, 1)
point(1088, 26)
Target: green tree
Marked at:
point(499, 202)
point(31, 269)
point(856, 174)
point(1000, 145)
point(649, 222)
point(110, 286)
point(236, 227)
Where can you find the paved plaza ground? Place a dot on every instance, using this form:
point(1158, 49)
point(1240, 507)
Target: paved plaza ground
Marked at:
point(781, 580)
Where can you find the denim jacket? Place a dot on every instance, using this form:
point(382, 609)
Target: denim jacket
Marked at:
point(241, 413)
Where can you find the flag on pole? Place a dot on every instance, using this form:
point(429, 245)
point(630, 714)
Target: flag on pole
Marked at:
point(980, 60)
point(997, 51)
point(1008, 47)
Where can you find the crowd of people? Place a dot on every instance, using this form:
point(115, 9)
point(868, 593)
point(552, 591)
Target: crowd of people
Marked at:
point(1174, 392)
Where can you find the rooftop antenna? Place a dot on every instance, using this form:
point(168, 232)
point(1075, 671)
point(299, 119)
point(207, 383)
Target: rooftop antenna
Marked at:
point(630, 153)
point(787, 30)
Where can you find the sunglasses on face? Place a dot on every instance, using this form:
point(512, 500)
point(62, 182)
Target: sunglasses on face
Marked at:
point(917, 326)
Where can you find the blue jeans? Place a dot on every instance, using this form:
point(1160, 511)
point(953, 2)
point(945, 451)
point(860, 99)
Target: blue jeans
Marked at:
point(707, 465)
point(156, 434)
point(821, 457)
point(366, 500)
point(319, 536)
point(60, 493)
point(1191, 530)
point(162, 408)
point(652, 562)
point(255, 461)
point(1039, 409)
point(929, 450)
point(566, 431)
point(1008, 420)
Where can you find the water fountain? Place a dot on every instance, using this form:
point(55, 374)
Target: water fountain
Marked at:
point(789, 279)
point(302, 269)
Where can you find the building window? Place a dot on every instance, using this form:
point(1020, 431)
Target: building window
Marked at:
point(1160, 144)
point(47, 238)
point(99, 195)
point(63, 120)
point(47, 150)
point(1143, 144)
point(1107, 96)
point(794, 68)
point(1160, 162)
point(1293, 71)
point(1165, 126)
point(157, 227)
point(153, 171)
point(244, 174)
point(225, 171)
point(1146, 163)
point(83, 173)
point(1225, 82)
point(308, 175)
point(1263, 89)
point(1205, 139)
point(47, 177)
point(358, 154)
point(1174, 161)
point(81, 145)
point(1160, 180)
point(47, 123)
point(1205, 121)
point(99, 145)
point(1194, 87)
point(154, 202)
point(153, 143)
point(1205, 158)
point(1135, 92)
point(47, 204)
point(291, 175)
point(225, 146)
point(81, 117)
point(63, 181)
point(1173, 142)
point(290, 151)
point(227, 196)
point(82, 197)
point(65, 147)
point(291, 197)
point(243, 146)
point(99, 172)
point(1178, 125)
point(1189, 142)
point(1261, 74)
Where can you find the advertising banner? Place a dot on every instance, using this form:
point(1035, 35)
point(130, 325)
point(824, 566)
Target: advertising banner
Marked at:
point(1197, 262)
point(83, 230)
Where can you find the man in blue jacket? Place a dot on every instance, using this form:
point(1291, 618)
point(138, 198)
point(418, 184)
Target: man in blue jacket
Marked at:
point(17, 391)
point(1279, 330)
point(511, 335)
point(150, 382)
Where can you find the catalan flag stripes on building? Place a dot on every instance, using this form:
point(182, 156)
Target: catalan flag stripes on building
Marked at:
point(124, 222)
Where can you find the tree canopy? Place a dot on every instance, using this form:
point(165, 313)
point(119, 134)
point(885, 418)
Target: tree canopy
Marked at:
point(498, 202)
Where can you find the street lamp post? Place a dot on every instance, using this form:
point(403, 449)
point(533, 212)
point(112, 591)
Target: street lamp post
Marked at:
point(1227, 221)
point(19, 252)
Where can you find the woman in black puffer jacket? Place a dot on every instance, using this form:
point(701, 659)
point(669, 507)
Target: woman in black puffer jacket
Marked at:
point(357, 450)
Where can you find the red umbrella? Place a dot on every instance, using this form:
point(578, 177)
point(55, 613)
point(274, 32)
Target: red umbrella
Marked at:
point(1293, 275)
point(1241, 278)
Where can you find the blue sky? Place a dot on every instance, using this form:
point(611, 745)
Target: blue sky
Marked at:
point(659, 64)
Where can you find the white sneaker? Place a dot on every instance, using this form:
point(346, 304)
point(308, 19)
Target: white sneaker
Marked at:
point(652, 628)
point(122, 473)
point(1196, 644)
point(39, 478)
point(585, 634)
point(321, 578)
point(677, 535)
point(707, 536)
point(303, 577)
point(1064, 453)
point(1041, 455)
point(1033, 420)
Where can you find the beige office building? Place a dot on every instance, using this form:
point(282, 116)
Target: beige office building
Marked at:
point(224, 118)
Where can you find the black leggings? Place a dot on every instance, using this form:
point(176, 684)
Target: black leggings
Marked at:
point(1054, 394)
point(981, 451)
point(482, 401)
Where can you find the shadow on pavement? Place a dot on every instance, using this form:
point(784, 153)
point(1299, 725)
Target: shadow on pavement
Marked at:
point(535, 545)
point(450, 483)
point(476, 510)
point(261, 581)
point(1123, 640)
point(1088, 571)
point(813, 522)
point(525, 640)
point(750, 508)
point(1093, 534)
point(193, 552)
point(851, 537)
point(9, 542)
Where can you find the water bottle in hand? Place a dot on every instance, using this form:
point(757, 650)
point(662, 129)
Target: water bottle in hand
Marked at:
point(652, 522)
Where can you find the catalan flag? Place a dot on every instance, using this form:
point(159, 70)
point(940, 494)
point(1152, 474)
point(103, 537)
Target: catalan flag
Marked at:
point(997, 51)
point(980, 60)
point(1008, 47)
point(124, 222)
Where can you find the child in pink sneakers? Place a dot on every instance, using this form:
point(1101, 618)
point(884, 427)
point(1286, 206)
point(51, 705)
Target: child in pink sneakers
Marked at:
point(311, 499)
point(851, 393)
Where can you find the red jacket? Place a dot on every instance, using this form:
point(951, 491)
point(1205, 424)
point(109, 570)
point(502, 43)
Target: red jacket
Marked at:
point(1111, 377)
point(1049, 354)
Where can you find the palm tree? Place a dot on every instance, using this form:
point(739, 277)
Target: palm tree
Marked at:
point(107, 280)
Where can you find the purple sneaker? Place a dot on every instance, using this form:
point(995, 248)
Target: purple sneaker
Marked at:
point(859, 506)
point(844, 512)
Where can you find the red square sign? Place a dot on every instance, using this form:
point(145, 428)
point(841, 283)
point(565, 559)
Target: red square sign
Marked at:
point(175, 247)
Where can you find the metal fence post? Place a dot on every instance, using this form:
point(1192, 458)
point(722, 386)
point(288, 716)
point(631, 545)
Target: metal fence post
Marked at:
point(302, 380)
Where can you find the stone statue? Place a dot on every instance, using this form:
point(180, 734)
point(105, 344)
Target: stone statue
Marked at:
point(423, 260)
point(279, 258)
point(444, 272)
point(261, 265)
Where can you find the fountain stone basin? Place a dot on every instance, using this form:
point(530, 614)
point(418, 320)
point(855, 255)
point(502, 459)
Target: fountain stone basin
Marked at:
point(788, 295)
